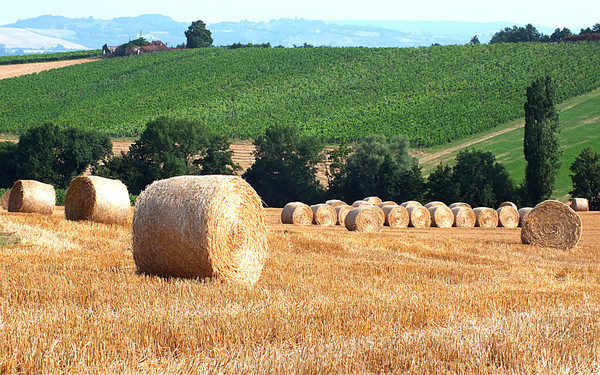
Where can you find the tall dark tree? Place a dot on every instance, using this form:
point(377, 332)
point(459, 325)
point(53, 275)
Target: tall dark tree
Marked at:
point(540, 142)
point(8, 162)
point(559, 34)
point(586, 177)
point(475, 40)
point(440, 185)
point(517, 35)
point(198, 36)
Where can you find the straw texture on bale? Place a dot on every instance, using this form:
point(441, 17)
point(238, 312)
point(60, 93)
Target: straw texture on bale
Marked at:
point(441, 216)
point(336, 202)
point(459, 204)
point(523, 213)
point(434, 204)
point(32, 197)
point(419, 217)
point(387, 203)
point(486, 217)
point(376, 201)
point(297, 213)
point(580, 204)
point(97, 199)
point(464, 217)
point(4, 200)
point(396, 216)
point(200, 226)
point(363, 219)
point(552, 224)
point(342, 212)
point(323, 214)
point(411, 203)
point(508, 216)
point(511, 204)
point(359, 203)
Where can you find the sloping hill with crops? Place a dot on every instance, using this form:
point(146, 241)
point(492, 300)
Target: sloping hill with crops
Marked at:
point(433, 95)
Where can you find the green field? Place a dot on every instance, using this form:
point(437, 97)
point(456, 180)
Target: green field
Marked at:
point(45, 57)
point(433, 95)
point(580, 128)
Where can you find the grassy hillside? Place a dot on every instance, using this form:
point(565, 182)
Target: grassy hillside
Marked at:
point(433, 95)
point(580, 128)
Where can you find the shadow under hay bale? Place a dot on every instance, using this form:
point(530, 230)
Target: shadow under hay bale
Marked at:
point(31, 196)
point(200, 226)
point(464, 217)
point(552, 224)
point(97, 199)
point(297, 213)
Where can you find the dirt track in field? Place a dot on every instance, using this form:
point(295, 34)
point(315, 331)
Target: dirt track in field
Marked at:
point(10, 71)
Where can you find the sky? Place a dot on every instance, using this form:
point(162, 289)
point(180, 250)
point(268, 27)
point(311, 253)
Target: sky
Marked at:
point(551, 13)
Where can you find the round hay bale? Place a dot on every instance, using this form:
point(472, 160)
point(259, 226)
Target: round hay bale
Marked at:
point(200, 226)
point(459, 204)
point(359, 203)
point(419, 217)
point(376, 201)
point(508, 216)
point(363, 219)
point(342, 212)
point(97, 199)
point(336, 202)
point(486, 217)
point(434, 204)
point(297, 213)
point(511, 204)
point(387, 203)
point(552, 224)
point(441, 216)
point(464, 217)
point(523, 213)
point(323, 214)
point(4, 200)
point(411, 203)
point(580, 204)
point(396, 216)
point(32, 197)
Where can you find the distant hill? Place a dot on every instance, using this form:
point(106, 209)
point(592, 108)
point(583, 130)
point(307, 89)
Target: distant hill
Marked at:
point(30, 41)
point(93, 33)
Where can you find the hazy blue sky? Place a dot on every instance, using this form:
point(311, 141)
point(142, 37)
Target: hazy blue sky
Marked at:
point(551, 13)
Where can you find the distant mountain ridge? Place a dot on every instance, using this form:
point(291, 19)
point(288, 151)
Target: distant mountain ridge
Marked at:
point(93, 33)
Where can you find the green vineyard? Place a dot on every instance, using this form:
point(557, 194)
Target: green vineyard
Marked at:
point(432, 95)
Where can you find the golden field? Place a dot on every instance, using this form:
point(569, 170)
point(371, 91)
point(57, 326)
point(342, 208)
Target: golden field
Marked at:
point(329, 301)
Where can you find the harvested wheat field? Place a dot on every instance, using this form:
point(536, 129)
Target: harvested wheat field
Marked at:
point(409, 300)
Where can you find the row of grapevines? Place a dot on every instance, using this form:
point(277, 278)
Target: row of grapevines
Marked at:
point(46, 57)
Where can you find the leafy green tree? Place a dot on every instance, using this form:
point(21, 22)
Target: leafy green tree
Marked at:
point(540, 143)
point(285, 166)
point(335, 169)
point(198, 36)
point(127, 49)
point(559, 34)
point(475, 40)
point(517, 35)
point(8, 163)
point(441, 186)
point(586, 177)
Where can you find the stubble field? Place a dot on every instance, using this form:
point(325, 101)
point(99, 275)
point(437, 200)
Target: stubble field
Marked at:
point(329, 301)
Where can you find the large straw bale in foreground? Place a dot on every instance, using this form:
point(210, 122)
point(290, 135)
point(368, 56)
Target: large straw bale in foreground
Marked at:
point(396, 216)
point(410, 204)
point(552, 224)
point(4, 200)
point(297, 213)
point(323, 214)
point(464, 217)
point(336, 203)
point(441, 216)
point(342, 212)
point(419, 216)
point(200, 226)
point(32, 197)
point(508, 216)
point(580, 204)
point(523, 213)
point(459, 204)
point(375, 201)
point(364, 219)
point(97, 199)
point(486, 217)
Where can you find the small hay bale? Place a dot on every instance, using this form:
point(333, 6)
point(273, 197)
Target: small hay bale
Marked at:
point(297, 213)
point(387, 203)
point(523, 213)
point(32, 197)
point(376, 201)
point(459, 204)
point(580, 204)
point(441, 216)
point(323, 214)
point(464, 217)
point(363, 219)
point(508, 216)
point(486, 217)
point(97, 199)
point(511, 204)
point(359, 203)
point(419, 217)
point(342, 212)
point(336, 202)
point(434, 204)
point(4, 200)
point(396, 216)
point(411, 203)
point(552, 224)
point(199, 227)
